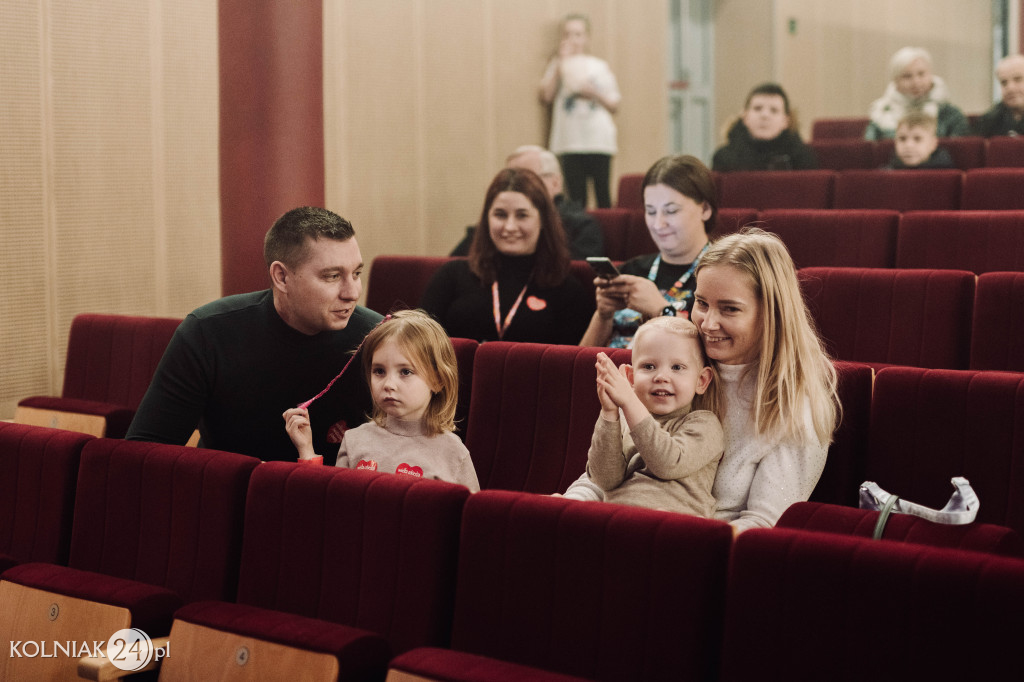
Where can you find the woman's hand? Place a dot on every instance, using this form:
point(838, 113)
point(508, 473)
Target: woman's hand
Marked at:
point(296, 423)
point(637, 293)
point(610, 296)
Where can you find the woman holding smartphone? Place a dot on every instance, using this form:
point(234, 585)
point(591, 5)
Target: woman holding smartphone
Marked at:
point(681, 207)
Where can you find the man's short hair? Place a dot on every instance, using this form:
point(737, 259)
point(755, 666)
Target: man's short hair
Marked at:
point(548, 161)
point(288, 239)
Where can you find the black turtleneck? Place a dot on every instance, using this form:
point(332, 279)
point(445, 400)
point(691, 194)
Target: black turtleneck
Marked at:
point(463, 305)
point(743, 152)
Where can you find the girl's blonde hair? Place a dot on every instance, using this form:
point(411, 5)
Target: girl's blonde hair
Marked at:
point(794, 369)
point(710, 399)
point(432, 355)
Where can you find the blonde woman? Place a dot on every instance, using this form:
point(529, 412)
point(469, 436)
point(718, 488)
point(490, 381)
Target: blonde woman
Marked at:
point(777, 386)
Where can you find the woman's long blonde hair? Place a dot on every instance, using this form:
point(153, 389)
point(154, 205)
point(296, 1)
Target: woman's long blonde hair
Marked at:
point(794, 369)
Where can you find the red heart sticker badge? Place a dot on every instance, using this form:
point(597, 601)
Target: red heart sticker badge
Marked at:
point(404, 468)
point(535, 304)
point(367, 465)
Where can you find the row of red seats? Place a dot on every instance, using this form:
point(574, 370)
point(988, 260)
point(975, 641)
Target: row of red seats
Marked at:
point(936, 318)
point(979, 241)
point(342, 569)
point(904, 190)
point(926, 317)
point(967, 152)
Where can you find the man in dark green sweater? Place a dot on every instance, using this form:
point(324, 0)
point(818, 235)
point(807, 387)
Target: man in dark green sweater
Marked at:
point(236, 364)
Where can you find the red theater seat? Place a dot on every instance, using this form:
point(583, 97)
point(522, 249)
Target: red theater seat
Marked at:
point(777, 189)
point(1005, 152)
point(110, 362)
point(38, 473)
point(993, 189)
point(362, 549)
point(903, 317)
point(837, 128)
point(997, 331)
point(733, 220)
point(154, 526)
point(629, 194)
point(847, 455)
point(928, 426)
point(398, 282)
point(903, 190)
point(532, 415)
point(577, 588)
point(833, 518)
point(979, 241)
point(844, 154)
point(814, 606)
point(836, 238)
point(615, 225)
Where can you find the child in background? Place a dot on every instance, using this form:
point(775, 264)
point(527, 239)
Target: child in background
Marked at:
point(666, 454)
point(917, 145)
point(764, 137)
point(410, 366)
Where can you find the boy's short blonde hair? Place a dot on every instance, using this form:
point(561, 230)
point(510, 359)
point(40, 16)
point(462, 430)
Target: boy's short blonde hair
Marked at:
point(916, 118)
point(685, 328)
point(428, 347)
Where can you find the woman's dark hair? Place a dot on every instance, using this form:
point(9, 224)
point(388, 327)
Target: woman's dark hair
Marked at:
point(552, 264)
point(690, 177)
point(768, 89)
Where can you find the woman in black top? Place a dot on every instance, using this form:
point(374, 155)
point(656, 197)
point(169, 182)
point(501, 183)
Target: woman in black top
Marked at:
point(516, 284)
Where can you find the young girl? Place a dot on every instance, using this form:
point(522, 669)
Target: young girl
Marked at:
point(666, 453)
point(410, 365)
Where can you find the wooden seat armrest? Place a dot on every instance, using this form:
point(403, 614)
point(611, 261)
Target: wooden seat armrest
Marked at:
point(101, 668)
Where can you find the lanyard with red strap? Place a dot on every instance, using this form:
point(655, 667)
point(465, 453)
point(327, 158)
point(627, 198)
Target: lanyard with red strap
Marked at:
point(495, 299)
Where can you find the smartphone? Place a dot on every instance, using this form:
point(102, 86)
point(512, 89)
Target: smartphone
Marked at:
point(603, 267)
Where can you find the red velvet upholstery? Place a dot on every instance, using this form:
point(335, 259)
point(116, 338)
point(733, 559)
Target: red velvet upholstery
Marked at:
point(458, 666)
point(398, 282)
point(997, 332)
point(361, 655)
point(733, 220)
point(814, 606)
point(928, 426)
point(904, 190)
point(904, 317)
point(833, 128)
point(150, 606)
point(844, 154)
point(777, 189)
point(465, 353)
point(847, 455)
point(601, 591)
point(850, 238)
point(615, 224)
point(110, 362)
point(629, 195)
point(38, 474)
point(832, 518)
point(968, 152)
point(533, 414)
point(979, 241)
point(1005, 152)
point(993, 189)
point(165, 515)
point(372, 551)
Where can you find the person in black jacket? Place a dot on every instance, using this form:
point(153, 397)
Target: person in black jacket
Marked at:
point(764, 137)
point(1007, 116)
